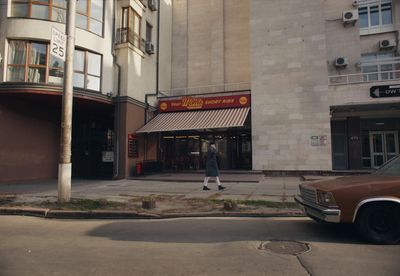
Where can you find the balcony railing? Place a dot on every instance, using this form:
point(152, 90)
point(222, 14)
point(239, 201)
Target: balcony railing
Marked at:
point(381, 73)
point(127, 35)
point(226, 87)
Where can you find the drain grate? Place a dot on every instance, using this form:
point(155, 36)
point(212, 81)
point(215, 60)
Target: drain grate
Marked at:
point(285, 247)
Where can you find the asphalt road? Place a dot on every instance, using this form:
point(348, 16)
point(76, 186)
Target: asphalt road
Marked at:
point(35, 246)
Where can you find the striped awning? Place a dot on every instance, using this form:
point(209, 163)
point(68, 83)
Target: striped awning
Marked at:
point(199, 119)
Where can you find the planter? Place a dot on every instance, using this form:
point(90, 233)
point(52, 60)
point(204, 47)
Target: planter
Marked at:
point(148, 203)
point(230, 205)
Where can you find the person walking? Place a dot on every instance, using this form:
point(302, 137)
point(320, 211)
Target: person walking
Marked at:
point(212, 168)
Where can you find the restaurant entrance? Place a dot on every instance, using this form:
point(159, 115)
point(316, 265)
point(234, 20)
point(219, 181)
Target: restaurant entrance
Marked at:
point(186, 151)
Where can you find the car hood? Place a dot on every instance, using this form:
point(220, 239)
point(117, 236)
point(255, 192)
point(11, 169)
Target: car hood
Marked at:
point(350, 181)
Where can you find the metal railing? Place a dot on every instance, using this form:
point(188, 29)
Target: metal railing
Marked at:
point(125, 35)
point(380, 76)
point(381, 72)
point(207, 89)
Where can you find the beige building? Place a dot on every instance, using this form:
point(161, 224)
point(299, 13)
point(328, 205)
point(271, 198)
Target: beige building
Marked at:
point(310, 67)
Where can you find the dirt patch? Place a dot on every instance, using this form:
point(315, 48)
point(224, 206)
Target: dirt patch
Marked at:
point(165, 204)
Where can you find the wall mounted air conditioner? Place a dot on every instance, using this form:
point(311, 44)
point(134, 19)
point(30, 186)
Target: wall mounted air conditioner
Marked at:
point(387, 44)
point(341, 62)
point(350, 17)
point(149, 48)
point(152, 5)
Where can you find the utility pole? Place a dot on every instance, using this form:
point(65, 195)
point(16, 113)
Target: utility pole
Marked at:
point(65, 165)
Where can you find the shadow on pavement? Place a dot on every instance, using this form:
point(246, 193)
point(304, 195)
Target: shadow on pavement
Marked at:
point(226, 230)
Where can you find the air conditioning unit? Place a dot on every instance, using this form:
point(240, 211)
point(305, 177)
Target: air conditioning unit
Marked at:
point(350, 17)
point(152, 5)
point(341, 62)
point(149, 48)
point(387, 44)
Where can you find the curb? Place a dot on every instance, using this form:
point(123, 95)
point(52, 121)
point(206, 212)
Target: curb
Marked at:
point(190, 180)
point(107, 214)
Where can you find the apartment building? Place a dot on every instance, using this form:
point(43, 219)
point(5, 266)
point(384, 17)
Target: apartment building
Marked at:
point(289, 85)
point(325, 78)
point(115, 65)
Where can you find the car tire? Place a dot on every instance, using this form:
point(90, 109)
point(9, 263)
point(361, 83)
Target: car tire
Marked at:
point(379, 223)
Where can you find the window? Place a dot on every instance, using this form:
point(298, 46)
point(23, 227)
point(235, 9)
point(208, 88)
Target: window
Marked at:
point(379, 66)
point(87, 70)
point(131, 26)
point(30, 61)
point(27, 61)
point(149, 31)
point(375, 16)
point(89, 13)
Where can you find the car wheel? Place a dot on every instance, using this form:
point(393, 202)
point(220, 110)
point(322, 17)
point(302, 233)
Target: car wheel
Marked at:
point(379, 223)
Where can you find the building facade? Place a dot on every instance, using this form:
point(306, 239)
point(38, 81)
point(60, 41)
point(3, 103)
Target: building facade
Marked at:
point(115, 65)
point(312, 76)
point(290, 85)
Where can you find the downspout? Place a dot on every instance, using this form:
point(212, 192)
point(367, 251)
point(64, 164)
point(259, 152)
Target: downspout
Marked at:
point(116, 100)
point(146, 97)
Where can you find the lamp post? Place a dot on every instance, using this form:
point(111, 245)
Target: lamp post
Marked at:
point(65, 165)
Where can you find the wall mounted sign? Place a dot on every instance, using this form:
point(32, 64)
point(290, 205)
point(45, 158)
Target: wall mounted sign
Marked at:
point(132, 146)
point(385, 91)
point(202, 103)
point(318, 140)
point(107, 156)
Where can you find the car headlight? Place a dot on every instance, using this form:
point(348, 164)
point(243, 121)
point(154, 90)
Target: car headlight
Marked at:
point(326, 199)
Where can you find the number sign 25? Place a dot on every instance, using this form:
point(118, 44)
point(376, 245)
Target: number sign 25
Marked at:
point(57, 50)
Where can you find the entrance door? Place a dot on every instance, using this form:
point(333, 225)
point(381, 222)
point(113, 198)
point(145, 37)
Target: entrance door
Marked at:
point(384, 146)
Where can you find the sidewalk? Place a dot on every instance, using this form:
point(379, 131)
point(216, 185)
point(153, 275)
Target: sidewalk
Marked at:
point(175, 195)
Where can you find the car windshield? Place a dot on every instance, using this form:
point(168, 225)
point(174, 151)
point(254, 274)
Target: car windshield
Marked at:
point(390, 168)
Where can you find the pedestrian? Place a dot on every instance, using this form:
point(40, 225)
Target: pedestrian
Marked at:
point(212, 167)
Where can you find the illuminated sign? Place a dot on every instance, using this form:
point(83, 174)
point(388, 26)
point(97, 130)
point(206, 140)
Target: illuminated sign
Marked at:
point(202, 103)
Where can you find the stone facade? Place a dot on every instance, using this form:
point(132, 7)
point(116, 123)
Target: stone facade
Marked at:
point(290, 101)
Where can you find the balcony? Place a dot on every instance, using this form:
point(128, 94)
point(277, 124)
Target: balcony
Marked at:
point(126, 35)
point(379, 70)
point(225, 87)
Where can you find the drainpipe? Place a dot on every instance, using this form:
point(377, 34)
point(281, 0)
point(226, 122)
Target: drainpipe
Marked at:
point(117, 129)
point(146, 97)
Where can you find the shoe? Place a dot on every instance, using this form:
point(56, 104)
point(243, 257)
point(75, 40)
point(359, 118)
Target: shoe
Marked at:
point(220, 188)
point(205, 188)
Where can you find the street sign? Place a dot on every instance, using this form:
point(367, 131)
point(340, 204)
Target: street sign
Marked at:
point(385, 91)
point(58, 44)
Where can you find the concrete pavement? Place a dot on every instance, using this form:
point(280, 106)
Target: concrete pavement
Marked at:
point(176, 194)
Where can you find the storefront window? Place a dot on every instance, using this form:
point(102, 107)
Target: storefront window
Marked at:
point(187, 152)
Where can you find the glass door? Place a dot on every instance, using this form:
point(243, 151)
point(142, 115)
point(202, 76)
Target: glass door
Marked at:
point(391, 144)
point(384, 146)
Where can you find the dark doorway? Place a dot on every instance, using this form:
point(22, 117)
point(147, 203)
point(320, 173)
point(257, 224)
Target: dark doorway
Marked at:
point(92, 140)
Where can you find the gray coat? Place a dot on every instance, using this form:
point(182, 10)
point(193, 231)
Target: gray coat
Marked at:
point(211, 163)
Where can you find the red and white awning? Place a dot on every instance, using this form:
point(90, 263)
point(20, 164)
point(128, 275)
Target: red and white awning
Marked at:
point(199, 119)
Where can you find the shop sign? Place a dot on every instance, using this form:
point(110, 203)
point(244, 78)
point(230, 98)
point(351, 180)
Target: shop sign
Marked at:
point(385, 91)
point(200, 103)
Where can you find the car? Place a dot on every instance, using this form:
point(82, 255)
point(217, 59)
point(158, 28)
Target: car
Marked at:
point(371, 202)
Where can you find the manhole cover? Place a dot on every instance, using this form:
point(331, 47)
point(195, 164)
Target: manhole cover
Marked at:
point(285, 247)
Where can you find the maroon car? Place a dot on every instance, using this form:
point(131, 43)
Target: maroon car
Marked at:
point(371, 202)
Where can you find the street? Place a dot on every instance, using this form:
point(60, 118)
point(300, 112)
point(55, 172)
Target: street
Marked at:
point(202, 246)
